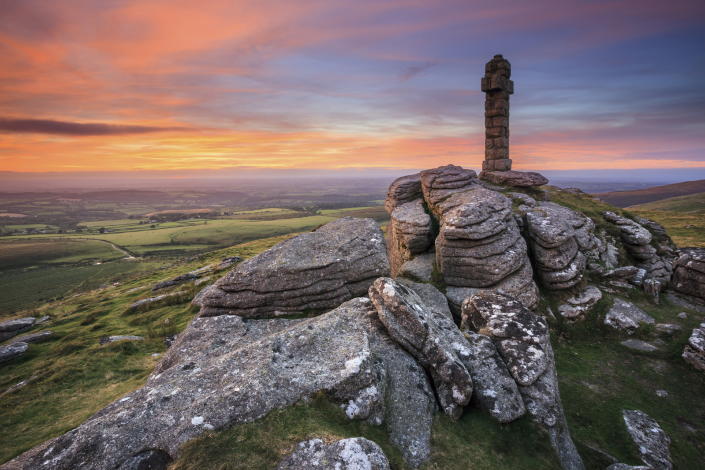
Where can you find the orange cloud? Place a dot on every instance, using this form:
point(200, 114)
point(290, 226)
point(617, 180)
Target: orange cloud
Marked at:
point(313, 84)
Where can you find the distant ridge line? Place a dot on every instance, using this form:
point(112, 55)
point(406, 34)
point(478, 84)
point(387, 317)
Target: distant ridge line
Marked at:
point(656, 193)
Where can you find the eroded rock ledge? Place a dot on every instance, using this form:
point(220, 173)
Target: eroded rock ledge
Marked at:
point(313, 271)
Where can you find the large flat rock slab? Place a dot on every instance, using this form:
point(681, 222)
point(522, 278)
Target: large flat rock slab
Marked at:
point(313, 271)
point(520, 179)
point(226, 370)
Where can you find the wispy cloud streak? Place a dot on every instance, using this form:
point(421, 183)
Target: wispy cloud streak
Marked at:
point(48, 126)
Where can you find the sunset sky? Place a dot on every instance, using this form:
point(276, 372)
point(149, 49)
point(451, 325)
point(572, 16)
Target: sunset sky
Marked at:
point(181, 84)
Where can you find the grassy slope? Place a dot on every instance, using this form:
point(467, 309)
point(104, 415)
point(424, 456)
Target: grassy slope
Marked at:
point(642, 196)
point(73, 375)
point(19, 253)
point(683, 216)
point(598, 377)
point(196, 234)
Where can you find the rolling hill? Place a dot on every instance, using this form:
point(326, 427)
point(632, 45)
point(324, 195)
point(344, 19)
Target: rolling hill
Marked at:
point(683, 217)
point(689, 203)
point(657, 193)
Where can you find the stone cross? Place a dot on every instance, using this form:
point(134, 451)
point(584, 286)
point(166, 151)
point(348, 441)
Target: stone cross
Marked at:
point(498, 86)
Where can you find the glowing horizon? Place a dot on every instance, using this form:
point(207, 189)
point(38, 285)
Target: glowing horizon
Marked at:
point(161, 85)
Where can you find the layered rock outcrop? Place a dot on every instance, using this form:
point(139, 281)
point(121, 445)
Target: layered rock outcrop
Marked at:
point(313, 271)
point(225, 370)
point(478, 245)
point(576, 307)
point(637, 241)
point(689, 273)
point(11, 328)
point(694, 351)
point(403, 190)
point(439, 184)
point(410, 233)
point(559, 239)
point(522, 340)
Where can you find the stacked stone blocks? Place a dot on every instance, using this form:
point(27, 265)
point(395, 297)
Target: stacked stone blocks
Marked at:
point(497, 86)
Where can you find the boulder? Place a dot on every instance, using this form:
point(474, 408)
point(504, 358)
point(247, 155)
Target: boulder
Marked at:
point(313, 271)
point(430, 338)
point(11, 328)
point(34, 337)
point(523, 199)
point(419, 268)
point(664, 244)
point(431, 297)
point(178, 280)
point(224, 371)
point(496, 392)
point(637, 241)
point(689, 273)
point(456, 361)
point(694, 351)
point(651, 441)
point(410, 233)
point(403, 190)
point(440, 183)
point(626, 316)
point(152, 302)
point(667, 329)
point(559, 239)
point(522, 339)
point(577, 306)
point(639, 345)
point(521, 179)
point(116, 338)
point(11, 351)
point(355, 453)
point(605, 255)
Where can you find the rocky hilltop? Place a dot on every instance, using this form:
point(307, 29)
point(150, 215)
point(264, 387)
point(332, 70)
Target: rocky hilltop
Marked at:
point(448, 313)
point(444, 316)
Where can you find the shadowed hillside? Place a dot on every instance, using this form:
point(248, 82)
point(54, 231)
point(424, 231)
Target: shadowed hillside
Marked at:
point(642, 196)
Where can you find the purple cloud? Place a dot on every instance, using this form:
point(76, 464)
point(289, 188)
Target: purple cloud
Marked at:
point(49, 126)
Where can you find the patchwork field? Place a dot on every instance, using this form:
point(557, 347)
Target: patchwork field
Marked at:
point(35, 268)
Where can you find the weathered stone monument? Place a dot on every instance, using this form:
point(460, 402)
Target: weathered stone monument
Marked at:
point(497, 167)
point(497, 86)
